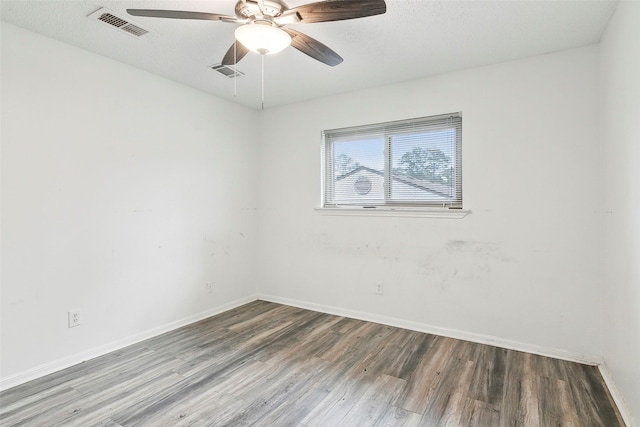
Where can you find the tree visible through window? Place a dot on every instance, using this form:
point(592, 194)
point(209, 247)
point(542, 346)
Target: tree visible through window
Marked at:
point(345, 164)
point(431, 164)
point(413, 162)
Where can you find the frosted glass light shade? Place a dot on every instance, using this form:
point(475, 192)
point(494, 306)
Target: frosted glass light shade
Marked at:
point(262, 38)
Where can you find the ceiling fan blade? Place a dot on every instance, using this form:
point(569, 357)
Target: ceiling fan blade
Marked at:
point(337, 10)
point(236, 52)
point(312, 47)
point(180, 14)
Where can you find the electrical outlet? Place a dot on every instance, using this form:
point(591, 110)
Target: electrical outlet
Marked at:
point(74, 318)
point(209, 287)
point(379, 288)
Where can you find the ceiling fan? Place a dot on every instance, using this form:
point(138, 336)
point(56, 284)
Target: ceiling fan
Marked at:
point(264, 22)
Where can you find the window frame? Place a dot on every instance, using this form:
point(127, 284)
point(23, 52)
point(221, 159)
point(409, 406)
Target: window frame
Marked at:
point(388, 130)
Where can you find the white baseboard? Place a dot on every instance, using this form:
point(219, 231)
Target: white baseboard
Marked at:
point(57, 365)
point(446, 332)
point(617, 396)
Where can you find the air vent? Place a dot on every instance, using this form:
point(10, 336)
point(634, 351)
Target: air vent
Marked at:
point(227, 71)
point(109, 17)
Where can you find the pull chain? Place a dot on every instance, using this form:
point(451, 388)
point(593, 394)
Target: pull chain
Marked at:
point(262, 56)
point(235, 69)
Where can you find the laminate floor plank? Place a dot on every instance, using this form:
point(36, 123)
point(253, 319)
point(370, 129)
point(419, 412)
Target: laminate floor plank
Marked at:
point(277, 388)
point(426, 376)
point(267, 364)
point(411, 353)
point(135, 371)
point(169, 397)
point(512, 390)
point(446, 405)
point(181, 409)
point(446, 409)
point(292, 410)
point(398, 417)
point(34, 401)
point(480, 414)
point(374, 402)
point(556, 406)
point(106, 423)
point(488, 379)
point(50, 404)
point(81, 370)
point(526, 398)
point(85, 410)
point(591, 397)
point(344, 391)
point(216, 411)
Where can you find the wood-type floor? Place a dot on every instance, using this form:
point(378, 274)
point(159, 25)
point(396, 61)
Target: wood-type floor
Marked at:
point(266, 364)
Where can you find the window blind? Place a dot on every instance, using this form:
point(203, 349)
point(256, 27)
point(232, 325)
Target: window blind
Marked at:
point(416, 162)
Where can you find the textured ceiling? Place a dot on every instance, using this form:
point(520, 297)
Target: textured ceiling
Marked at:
point(415, 38)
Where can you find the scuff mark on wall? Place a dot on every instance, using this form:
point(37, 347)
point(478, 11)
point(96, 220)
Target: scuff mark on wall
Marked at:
point(460, 261)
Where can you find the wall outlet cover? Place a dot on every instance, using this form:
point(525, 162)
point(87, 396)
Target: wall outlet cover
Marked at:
point(74, 318)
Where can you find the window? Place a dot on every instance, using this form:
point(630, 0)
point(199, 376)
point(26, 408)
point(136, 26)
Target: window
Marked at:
point(415, 163)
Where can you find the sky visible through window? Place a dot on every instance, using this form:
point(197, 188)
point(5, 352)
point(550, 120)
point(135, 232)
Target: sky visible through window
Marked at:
point(369, 152)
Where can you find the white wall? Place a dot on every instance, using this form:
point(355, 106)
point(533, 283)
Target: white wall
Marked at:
point(620, 65)
point(522, 267)
point(123, 194)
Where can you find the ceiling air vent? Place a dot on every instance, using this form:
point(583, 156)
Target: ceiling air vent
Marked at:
point(109, 17)
point(227, 71)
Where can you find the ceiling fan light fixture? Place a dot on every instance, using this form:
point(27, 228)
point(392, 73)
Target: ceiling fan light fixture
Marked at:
point(263, 38)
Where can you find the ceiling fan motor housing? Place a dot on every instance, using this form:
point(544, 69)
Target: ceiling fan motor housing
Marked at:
point(251, 10)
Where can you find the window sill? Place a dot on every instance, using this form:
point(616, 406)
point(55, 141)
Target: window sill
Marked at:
point(396, 211)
